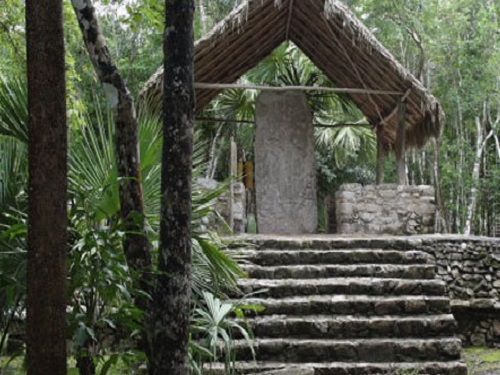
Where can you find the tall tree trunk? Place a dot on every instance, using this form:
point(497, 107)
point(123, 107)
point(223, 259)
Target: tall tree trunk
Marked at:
point(442, 226)
point(136, 243)
point(47, 189)
point(172, 297)
point(480, 145)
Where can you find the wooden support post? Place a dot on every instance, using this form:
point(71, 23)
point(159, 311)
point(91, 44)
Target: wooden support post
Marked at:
point(233, 171)
point(401, 144)
point(380, 158)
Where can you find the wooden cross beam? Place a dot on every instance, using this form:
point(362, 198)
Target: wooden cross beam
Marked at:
point(222, 86)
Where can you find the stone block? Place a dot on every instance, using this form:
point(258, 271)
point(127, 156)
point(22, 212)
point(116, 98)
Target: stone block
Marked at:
point(356, 188)
point(393, 209)
point(285, 167)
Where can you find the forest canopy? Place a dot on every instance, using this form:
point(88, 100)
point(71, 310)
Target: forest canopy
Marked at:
point(451, 46)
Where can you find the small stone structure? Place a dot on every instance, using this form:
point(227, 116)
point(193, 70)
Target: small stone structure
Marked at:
point(285, 171)
point(385, 209)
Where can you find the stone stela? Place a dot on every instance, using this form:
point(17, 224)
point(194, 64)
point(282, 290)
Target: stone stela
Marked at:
point(285, 170)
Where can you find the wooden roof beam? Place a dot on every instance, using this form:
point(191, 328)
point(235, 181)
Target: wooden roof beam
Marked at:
point(363, 91)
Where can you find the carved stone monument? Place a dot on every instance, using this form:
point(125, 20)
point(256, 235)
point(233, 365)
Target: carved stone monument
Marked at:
point(285, 168)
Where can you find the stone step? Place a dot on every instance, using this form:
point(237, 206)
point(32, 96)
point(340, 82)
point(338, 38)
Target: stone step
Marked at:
point(325, 242)
point(351, 326)
point(371, 286)
point(322, 257)
point(349, 304)
point(352, 350)
point(342, 368)
point(414, 271)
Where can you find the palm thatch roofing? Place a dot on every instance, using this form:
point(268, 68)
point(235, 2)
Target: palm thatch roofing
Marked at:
point(335, 40)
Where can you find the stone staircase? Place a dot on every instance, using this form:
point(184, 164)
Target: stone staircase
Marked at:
point(339, 306)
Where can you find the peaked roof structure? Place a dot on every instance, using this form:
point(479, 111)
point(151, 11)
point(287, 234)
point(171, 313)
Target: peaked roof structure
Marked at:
point(335, 40)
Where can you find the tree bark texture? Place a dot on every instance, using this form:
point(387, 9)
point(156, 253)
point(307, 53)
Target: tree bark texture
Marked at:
point(47, 189)
point(480, 145)
point(136, 243)
point(172, 298)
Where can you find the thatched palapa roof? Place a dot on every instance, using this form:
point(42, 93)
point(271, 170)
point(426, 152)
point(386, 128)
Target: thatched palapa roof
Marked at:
point(335, 40)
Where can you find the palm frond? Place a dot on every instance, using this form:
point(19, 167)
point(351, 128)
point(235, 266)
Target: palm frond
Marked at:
point(14, 108)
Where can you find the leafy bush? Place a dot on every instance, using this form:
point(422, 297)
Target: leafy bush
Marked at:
point(104, 323)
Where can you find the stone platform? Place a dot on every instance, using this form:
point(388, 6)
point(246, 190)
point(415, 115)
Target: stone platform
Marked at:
point(340, 305)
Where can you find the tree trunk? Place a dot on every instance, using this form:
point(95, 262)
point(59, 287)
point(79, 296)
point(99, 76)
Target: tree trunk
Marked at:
point(47, 189)
point(172, 297)
point(441, 222)
point(212, 157)
point(84, 360)
point(136, 244)
point(480, 145)
point(203, 16)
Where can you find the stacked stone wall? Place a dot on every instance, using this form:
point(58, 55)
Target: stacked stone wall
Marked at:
point(471, 269)
point(385, 209)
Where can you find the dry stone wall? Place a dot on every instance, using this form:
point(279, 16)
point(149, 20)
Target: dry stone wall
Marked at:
point(471, 269)
point(385, 209)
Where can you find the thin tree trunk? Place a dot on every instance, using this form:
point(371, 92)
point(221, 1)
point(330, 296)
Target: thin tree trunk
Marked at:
point(172, 297)
point(480, 145)
point(441, 222)
point(84, 360)
point(214, 167)
point(212, 157)
point(136, 244)
point(47, 189)
point(203, 16)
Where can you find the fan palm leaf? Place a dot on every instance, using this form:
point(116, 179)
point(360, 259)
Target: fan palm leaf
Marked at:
point(14, 108)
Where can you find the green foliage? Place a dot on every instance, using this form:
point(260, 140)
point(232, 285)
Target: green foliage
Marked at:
point(13, 109)
point(13, 174)
point(12, 54)
point(213, 331)
point(482, 360)
point(101, 289)
point(342, 146)
point(458, 42)
point(103, 320)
